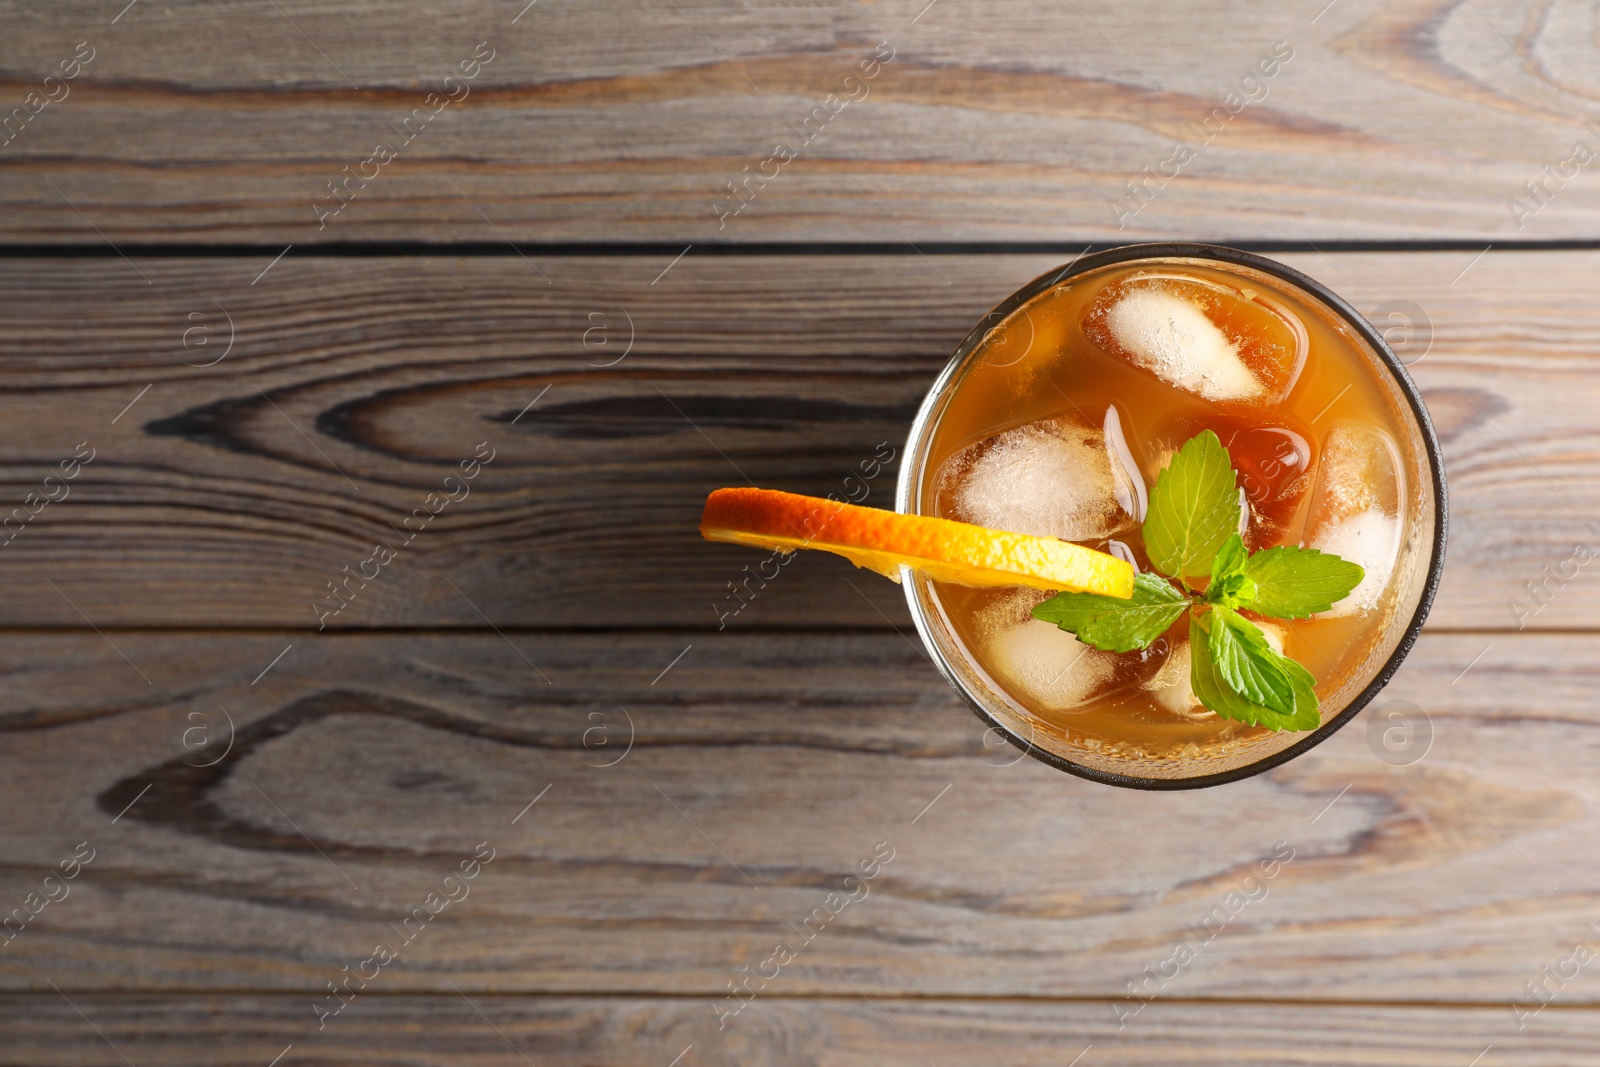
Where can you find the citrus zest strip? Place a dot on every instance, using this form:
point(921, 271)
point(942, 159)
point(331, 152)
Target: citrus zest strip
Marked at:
point(883, 541)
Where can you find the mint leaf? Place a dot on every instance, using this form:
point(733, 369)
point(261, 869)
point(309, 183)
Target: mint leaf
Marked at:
point(1292, 583)
point(1214, 693)
point(1247, 663)
point(1234, 591)
point(1230, 585)
point(1307, 713)
point(1114, 624)
point(1194, 508)
point(1231, 558)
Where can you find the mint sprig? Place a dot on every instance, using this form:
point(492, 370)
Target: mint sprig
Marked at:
point(1191, 530)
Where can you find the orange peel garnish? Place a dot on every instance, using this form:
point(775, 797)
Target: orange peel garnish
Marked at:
point(884, 541)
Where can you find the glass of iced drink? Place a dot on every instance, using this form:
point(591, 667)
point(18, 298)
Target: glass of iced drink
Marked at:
point(1054, 418)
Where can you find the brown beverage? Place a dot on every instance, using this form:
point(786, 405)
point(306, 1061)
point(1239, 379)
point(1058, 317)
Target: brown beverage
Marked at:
point(1058, 423)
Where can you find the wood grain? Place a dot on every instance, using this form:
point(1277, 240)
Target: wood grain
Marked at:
point(233, 493)
point(630, 1032)
point(620, 121)
point(763, 769)
point(539, 678)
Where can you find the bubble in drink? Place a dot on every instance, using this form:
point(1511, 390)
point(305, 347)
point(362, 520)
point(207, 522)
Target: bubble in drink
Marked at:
point(1228, 346)
point(1052, 478)
point(1038, 662)
point(1356, 511)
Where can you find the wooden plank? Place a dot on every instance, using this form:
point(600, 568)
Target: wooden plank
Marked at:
point(206, 122)
point(558, 1031)
point(233, 493)
point(763, 770)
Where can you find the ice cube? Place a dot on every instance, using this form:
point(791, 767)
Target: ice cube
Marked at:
point(1166, 334)
point(1171, 690)
point(1356, 511)
point(1052, 478)
point(1127, 484)
point(1219, 343)
point(1040, 664)
point(1123, 552)
point(1370, 539)
point(1274, 635)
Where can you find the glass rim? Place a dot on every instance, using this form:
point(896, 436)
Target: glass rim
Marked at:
point(921, 426)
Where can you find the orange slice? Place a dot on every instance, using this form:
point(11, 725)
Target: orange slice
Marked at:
point(882, 541)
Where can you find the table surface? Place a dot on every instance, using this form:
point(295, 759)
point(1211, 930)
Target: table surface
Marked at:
point(272, 272)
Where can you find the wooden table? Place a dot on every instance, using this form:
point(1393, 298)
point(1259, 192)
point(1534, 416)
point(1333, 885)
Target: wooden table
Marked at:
point(228, 378)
